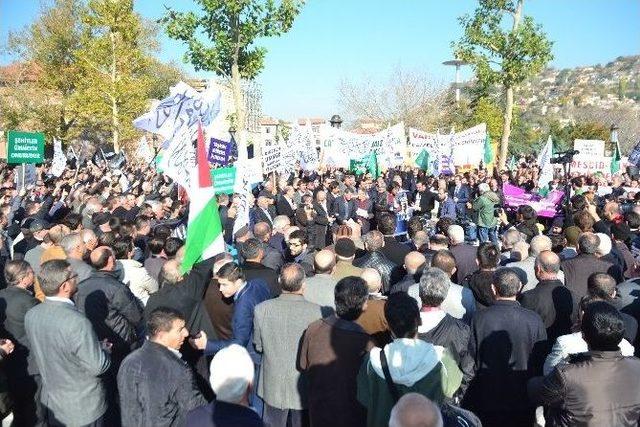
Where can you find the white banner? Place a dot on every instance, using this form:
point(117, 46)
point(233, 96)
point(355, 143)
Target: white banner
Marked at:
point(591, 159)
point(59, 160)
point(179, 159)
point(419, 140)
point(389, 145)
point(467, 147)
point(271, 159)
point(303, 142)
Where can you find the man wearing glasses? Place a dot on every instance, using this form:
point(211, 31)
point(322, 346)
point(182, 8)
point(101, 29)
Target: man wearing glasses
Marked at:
point(67, 352)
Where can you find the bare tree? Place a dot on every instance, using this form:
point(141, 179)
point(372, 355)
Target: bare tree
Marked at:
point(406, 95)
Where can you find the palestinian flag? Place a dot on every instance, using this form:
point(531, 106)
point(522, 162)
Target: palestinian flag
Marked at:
point(204, 231)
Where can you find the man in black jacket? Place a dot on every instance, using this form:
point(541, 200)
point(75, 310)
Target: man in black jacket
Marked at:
point(373, 243)
point(156, 387)
point(392, 249)
point(550, 298)
point(599, 387)
point(424, 200)
point(252, 267)
point(507, 344)
point(21, 370)
point(113, 310)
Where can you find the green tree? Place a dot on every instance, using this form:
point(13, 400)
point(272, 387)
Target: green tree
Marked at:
point(487, 111)
point(230, 29)
point(162, 76)
point(114, 86)
point(503, 56)
point(47, 49)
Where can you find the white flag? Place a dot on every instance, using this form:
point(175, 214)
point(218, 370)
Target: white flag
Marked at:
point(245, 197)
point(144, 152)
point(59, 160)
point(544, 161)
point(179, 159)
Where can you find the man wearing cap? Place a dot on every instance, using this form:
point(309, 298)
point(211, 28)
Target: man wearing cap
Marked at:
point(345, 251)
point(37, 229)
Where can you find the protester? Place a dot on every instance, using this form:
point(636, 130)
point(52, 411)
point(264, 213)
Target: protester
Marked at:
point(156, 387)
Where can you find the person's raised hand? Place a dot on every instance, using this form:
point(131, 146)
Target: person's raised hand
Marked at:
point(199, 342)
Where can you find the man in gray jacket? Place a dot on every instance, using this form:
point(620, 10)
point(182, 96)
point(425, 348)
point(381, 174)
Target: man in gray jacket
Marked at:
point(278, 328)
point(67, 351)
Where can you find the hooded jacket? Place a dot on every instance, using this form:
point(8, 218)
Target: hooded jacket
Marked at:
point(484, 207)
point(415, 366)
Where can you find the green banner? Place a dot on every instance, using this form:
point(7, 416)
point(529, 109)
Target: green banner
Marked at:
point(224, 179)
point(359, 167)
point(25, 147)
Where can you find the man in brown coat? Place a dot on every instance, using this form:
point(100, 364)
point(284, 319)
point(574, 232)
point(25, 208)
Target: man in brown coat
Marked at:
point(373, 320)
point(331, 354)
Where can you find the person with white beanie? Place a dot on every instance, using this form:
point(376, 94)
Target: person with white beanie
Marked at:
point(231, 377)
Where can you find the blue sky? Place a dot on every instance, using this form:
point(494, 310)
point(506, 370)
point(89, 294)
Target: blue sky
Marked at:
point(332, 40)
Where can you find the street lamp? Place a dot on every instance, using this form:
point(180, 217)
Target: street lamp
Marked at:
point(614, 134)
point(336, 121)
point(457, 63)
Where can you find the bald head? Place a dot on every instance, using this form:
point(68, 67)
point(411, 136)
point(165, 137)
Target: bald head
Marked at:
point(373, 279)
point(413, 261)
point(170, 273)
point(102, 258)
point(324, 261)
point(262, 231)
point(547, 265)
point(415, 410)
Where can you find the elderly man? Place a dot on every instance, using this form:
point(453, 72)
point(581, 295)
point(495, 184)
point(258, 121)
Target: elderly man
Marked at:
point(278, 338)
point(74, 247)
point(320, 287)
point(372, 319)
point(414, 263)
point(373, 243)
point(156, 387)
point(577, 270)
point(526, 268)
point(464, 253)
point(67, 352)
point(231, 381)
point(415, 410)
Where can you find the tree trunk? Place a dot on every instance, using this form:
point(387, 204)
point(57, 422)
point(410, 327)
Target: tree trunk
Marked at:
point(508, 106)
point(115, 120)
point(238, 103)
point(506, 127)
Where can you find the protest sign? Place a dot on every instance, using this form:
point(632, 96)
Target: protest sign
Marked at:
point(591, 160)
point(59, 160)
point(288, 158)
point(467, 147)
point(224, 180)
point(219, 152)
point(303, 142)
point(419, 140)
point(271, 159)
point(179, 159)
point(25, 147)
point(26, 175)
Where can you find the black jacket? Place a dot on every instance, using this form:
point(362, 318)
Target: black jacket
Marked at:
point(394, 250)
point(14, 304)
point(255, 270)
point(284, 208)
point(577, 271)
point(114, 312)
point(156, 388)
point(556, 306)
point(597, 388)
point(378, 261)
point(507, 344)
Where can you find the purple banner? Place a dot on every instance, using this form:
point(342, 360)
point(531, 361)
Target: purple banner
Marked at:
point(545, 207)
point(219, 152)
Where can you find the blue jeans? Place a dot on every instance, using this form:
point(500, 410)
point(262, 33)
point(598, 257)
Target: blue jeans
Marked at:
point(486, 234)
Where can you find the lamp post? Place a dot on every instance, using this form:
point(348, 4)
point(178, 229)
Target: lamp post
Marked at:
point(457, 63)
point(614, 133)
point(336, 121)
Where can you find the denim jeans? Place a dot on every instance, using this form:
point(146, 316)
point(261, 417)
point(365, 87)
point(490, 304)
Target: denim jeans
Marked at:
point(486, 234)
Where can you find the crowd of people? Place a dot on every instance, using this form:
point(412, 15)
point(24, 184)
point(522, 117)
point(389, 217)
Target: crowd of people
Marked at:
point(403, 300)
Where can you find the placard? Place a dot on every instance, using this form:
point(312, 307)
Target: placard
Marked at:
point(25, 147)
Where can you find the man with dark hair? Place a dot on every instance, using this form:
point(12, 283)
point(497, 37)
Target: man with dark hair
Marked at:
point(597, 388)
point(414, 365)
point(134, 274)
point(577, 270)
point(507, 344)
point(157, 257)
point(603, 286)
point(114, 312)
point(375, 258)
point(69, 356)
point(345, 251)
point(252, 252)
point(156, 387)
point(278, 338)
point(550, 298)
point(299, 252)
point(392, 249)
point(480, 281)
point(344, 207)
point(331, 354)
point(273, 258)
point(171, 247)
